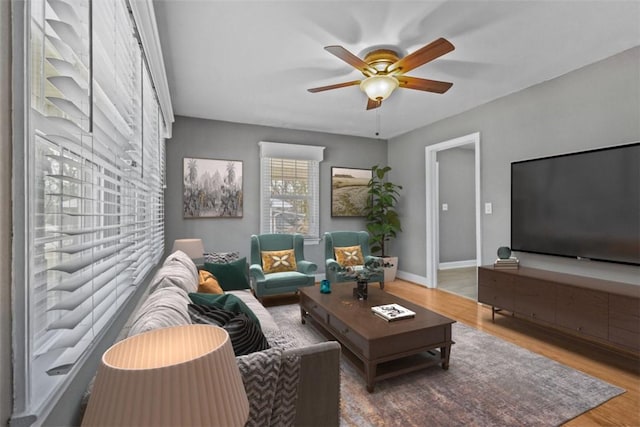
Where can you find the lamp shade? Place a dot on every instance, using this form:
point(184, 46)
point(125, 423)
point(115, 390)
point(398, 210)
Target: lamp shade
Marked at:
point(182, 375)
point(192, 247)
point(378, 88)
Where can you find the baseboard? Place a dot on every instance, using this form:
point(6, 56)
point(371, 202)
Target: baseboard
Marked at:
point(457, 264)
point(409, 277)
point(413, 278)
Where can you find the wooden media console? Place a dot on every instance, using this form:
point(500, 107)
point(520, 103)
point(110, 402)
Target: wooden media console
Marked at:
point(599, 310)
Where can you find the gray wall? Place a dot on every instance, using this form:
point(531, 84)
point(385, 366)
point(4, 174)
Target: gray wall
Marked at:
point(456, 188)
point(200, 138)
point(595, 106)
point(5, 213)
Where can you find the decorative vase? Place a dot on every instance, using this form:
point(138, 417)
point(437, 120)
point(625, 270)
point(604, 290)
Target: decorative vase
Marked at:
point(360, 292)
point(325, 287)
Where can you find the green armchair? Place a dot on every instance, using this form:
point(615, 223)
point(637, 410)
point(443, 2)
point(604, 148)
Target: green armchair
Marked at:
point(281, 282)
point(338, 239)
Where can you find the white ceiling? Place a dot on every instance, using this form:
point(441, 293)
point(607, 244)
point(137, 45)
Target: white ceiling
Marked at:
point(251, 62)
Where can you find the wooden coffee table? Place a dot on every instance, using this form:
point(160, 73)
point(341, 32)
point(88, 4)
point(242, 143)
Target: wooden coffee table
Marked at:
point(377, 348)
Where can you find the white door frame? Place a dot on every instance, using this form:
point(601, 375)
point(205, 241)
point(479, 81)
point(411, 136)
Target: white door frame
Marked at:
point(431, 185)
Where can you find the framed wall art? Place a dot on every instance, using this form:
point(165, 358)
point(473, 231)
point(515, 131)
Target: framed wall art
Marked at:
point(211, 188)
point(349, 191)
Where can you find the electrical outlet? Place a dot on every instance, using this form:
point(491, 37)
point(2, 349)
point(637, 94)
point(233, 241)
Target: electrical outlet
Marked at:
point(488, 208)
point(445, 207)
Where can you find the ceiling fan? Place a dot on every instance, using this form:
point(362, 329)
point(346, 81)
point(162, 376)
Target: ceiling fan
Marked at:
point(384, 71)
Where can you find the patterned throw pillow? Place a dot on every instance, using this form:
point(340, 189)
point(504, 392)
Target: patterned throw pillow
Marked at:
point(278, 261)
point(208, 283)
point(208, 315)
point(245, 334)
point(348, 256)
point(221, 257)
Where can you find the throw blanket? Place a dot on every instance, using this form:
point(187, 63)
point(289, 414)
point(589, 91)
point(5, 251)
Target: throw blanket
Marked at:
point(271, 383)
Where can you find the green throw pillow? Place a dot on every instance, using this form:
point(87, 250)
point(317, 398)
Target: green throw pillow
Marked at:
point(228, 302)
point(233, 276)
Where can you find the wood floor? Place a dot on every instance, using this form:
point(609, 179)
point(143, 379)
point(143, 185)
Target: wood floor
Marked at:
point(613, 367)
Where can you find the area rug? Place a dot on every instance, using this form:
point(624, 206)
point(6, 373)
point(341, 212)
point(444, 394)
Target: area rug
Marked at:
point(490, 382)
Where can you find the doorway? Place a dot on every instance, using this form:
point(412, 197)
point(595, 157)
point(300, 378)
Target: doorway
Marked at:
point(433, 205)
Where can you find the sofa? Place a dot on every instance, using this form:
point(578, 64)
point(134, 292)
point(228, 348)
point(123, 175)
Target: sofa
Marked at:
point(286, 384)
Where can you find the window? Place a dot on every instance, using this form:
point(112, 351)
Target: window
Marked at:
point(290, 189)
point(94, 162)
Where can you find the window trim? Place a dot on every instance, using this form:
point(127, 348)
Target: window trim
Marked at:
point(278, 150)
point(147, 31)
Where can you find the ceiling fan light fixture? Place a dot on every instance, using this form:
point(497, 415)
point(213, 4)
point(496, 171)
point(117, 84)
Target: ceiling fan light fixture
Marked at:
point(384, 69)
point(378, 88)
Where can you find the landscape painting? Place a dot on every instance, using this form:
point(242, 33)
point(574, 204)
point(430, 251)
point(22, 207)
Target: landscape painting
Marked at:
point(211, 188)
point(349, 191)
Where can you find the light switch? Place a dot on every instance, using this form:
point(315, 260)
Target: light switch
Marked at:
point(445, 207)
point(488, 208)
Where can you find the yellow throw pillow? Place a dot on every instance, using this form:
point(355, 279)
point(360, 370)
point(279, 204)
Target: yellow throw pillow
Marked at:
point(278, 261)
point(208, 283)
point(349, 256)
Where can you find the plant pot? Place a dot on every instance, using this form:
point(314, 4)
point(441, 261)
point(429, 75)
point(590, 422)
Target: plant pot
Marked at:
point(390, 272)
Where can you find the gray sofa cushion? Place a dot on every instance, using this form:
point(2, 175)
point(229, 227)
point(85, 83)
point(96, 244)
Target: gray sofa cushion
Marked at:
point(184, 259)
point(165, 307)
point(267, 324)
point(174, 273)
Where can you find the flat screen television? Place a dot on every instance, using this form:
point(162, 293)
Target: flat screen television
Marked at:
point(579, 205)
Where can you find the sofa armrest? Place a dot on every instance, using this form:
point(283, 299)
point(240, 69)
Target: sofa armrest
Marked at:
point(319, 387)
point(255, 270)
point(306, 267)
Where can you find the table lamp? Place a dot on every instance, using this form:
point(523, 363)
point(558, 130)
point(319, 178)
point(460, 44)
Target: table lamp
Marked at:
point(192, 247)
point(177, 376)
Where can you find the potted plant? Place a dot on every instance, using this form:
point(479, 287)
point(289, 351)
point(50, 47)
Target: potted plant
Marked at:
point(383, 221)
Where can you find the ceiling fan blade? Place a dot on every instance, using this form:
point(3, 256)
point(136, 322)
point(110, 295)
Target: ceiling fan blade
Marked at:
point(371, 104)
point(423, 55)
point(335, 86)
point(351, 59)
point(424, 84)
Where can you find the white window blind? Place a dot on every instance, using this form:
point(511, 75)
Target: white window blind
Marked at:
point(95, 176)
point(290, 189)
